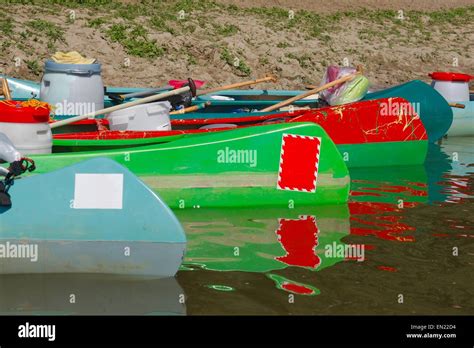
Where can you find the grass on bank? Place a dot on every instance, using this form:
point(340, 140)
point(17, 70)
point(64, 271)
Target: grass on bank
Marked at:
point(6, 26)
point(130, 25)
point(236, 63)
point(172, 15)
point(52, 31)
point(135, 40)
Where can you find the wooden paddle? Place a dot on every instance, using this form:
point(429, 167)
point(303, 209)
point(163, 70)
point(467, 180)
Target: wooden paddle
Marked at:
point(5, 90)
point(190, 109)
point(119, 107)
point(238, 85)
point(457, 105)
point(311, 92)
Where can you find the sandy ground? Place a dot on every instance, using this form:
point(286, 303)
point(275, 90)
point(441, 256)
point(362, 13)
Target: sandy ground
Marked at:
point(389, 54)
point(324, 6)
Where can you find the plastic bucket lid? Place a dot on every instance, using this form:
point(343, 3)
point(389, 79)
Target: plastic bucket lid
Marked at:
point(450, 76)
point(74, 69)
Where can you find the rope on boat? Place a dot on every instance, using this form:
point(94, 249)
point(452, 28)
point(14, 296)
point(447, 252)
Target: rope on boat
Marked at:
point(31, 103)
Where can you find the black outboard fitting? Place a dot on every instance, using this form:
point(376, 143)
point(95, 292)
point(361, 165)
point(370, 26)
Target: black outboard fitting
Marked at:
point(5, 199)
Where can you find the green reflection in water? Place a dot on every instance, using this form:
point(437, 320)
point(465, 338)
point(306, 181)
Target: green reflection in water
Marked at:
point(263, 240)
point(221, 287)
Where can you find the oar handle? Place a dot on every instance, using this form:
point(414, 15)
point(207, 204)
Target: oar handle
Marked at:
point(5, 90)
point(191, 109)
point(457, 105)
point(238, 85)
point(310, 92)
point(119, 107)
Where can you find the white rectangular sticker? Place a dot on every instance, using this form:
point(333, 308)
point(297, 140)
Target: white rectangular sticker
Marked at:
point(98, 191)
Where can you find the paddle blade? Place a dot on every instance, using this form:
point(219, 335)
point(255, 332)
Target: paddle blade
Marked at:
point(180, 83)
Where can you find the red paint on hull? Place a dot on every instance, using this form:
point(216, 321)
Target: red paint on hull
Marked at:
point(371, 121)
point(124, 135)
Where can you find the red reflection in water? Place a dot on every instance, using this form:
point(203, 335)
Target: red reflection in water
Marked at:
point(388, 227)
point(401, 189)
point(387, 268)
point(299, 238)
point(458, 188)
point(297, 288)
point(441, 235)
point(366, 194)
point(459, 183)
point(374, 207)
point(446, 235)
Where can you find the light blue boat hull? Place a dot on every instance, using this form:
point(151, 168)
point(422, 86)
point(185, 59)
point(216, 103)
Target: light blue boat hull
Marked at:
point(463, 120)
point(92, 217)
point(23, 89)
point(50, 294)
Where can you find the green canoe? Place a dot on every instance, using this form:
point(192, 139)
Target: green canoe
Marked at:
point(272, 165)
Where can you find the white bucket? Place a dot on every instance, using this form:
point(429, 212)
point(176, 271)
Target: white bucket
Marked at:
point(29, 138)
point(453, 87)
point(72, 89)
point(145, 117)
point(26, 127)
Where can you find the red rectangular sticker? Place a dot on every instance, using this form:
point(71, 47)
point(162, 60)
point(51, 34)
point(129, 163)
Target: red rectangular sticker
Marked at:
point(299, 161)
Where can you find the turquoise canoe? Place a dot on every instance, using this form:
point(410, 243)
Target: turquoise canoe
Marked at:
point(91, 217)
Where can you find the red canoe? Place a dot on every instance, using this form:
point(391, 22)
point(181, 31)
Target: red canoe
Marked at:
point(381, 132)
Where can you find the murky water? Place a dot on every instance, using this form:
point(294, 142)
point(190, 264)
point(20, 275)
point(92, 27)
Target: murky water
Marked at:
point(403, 245)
